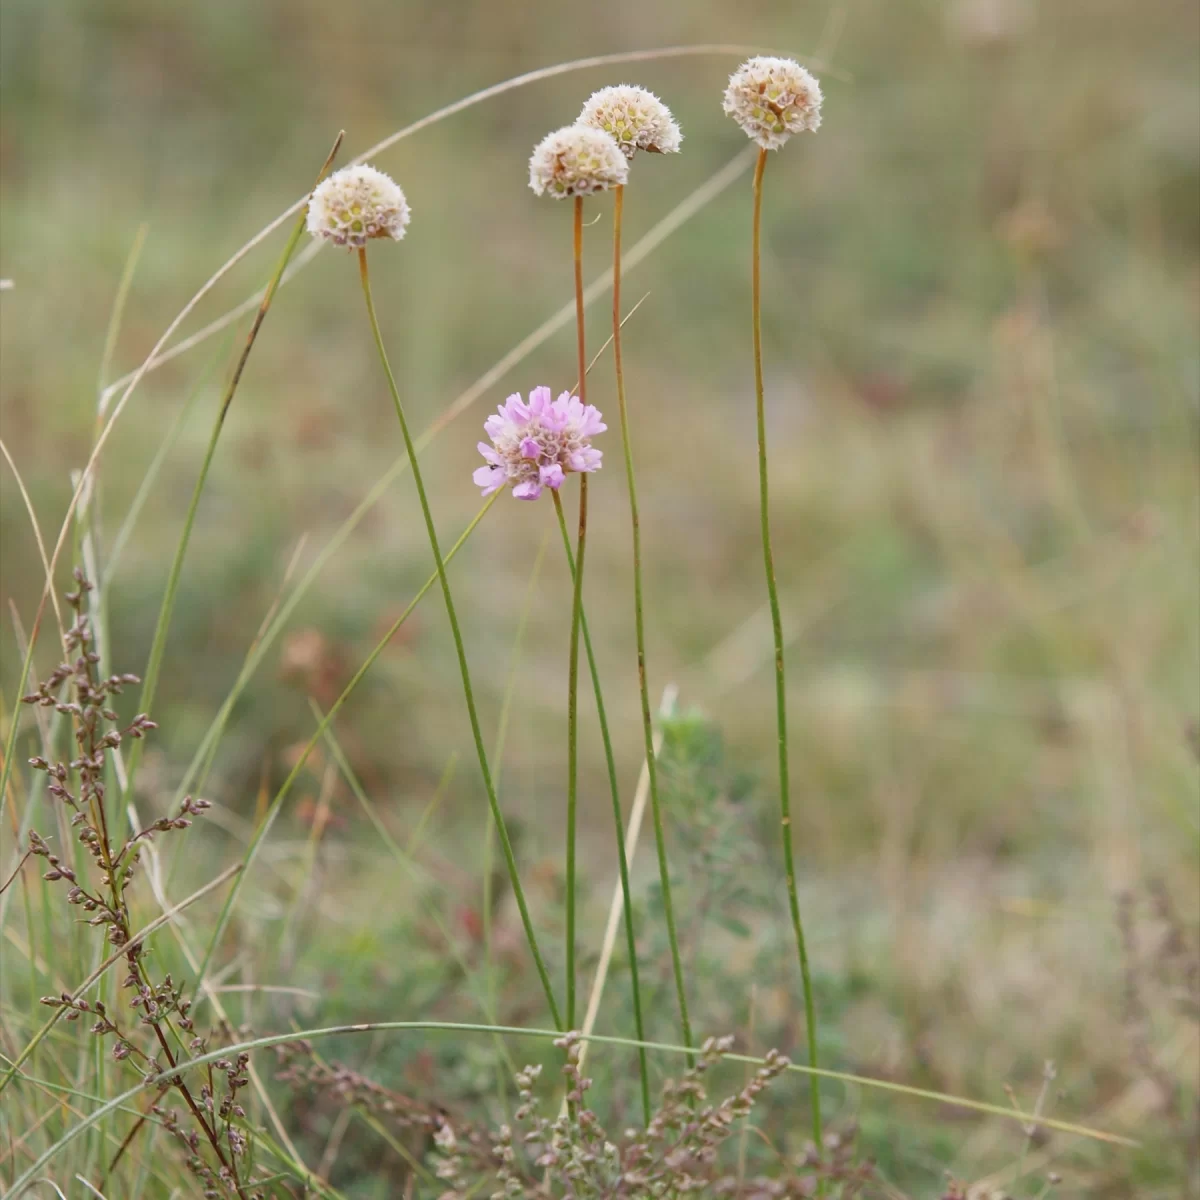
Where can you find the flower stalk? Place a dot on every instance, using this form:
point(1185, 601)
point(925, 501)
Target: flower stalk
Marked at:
point(618, 821)
point(464, 670)
point(664, 874)
point(785, 812)
point(576, 611)
point(163, 624)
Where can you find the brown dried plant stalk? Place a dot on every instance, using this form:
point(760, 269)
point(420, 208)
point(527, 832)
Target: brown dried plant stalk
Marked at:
point(160, 1032)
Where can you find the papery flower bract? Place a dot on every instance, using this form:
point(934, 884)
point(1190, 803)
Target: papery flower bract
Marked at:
point(576, 161)
point(355, 204)
point(536, 445)
point(772, 98)
point(634, 118)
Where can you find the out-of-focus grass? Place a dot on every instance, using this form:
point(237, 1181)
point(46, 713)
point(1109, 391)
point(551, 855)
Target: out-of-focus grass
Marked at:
point(982, 286)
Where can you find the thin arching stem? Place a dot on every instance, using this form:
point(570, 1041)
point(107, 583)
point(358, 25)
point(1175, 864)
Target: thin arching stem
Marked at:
point(464, 670)
point(647, 720)
point(162, 627)
point(785, 810)
point(576, 609)
point(618, 820)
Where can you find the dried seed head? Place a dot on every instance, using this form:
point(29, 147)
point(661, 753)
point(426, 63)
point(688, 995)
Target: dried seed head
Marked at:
point(772, 98)
point(355, 204)
point(576, 161)
point(634, 118)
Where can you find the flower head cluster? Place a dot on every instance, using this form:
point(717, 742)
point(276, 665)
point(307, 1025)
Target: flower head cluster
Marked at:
point(355, 204)
point(634, 118)
point(535, 445)
point(576, 161)
point(772, 98)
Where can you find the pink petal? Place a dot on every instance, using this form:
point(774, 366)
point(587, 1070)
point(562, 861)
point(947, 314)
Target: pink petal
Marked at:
point(491, 479)
point(591, 422)
point(557, 416)
point(553, 418)
point(527, 490)
point(585, 459)
point(515, 410)
point(530, 448)
point(490, 454)
point(552, 476)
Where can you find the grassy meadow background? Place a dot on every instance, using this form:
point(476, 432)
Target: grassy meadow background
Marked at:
point(981, 291)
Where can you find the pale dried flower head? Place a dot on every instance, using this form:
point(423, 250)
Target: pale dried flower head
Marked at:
point(576, 161)
point(772, 98)
point(634, 118)
point(355, 204)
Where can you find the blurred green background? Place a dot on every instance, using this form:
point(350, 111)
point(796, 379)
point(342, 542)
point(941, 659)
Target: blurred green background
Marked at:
point(981, 288)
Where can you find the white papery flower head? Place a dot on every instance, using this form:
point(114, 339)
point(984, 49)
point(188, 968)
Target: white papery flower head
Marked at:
point(355, 204)
point(772, 98)
point(634, 118)
point(576, 161)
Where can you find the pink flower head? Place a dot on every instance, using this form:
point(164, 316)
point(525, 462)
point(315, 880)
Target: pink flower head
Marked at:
point(535, 445)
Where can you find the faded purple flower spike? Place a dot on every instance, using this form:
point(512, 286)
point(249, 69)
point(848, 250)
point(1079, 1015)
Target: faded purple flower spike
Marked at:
point(536, 445)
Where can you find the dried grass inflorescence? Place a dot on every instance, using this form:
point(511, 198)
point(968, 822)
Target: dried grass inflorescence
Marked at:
point(634, 118)
point(773, 98)
point(576, 161)
point(356, 204)
point(159, 1031)
point(677, 1153)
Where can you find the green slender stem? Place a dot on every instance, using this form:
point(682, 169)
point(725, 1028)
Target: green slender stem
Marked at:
point(576, 609)
point(158, 645)
point(573, 744)
point(15, 716)
point(159, 641)
point(439, 792)
point(458, 1029)
point(87, 519)
point(277, 801)
point(660, 841)
point(618, 821)
point(418, 875)
point(115, 318)
point(464, 670)
point(489, 833)
point(785, 810)
point(146, 485)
